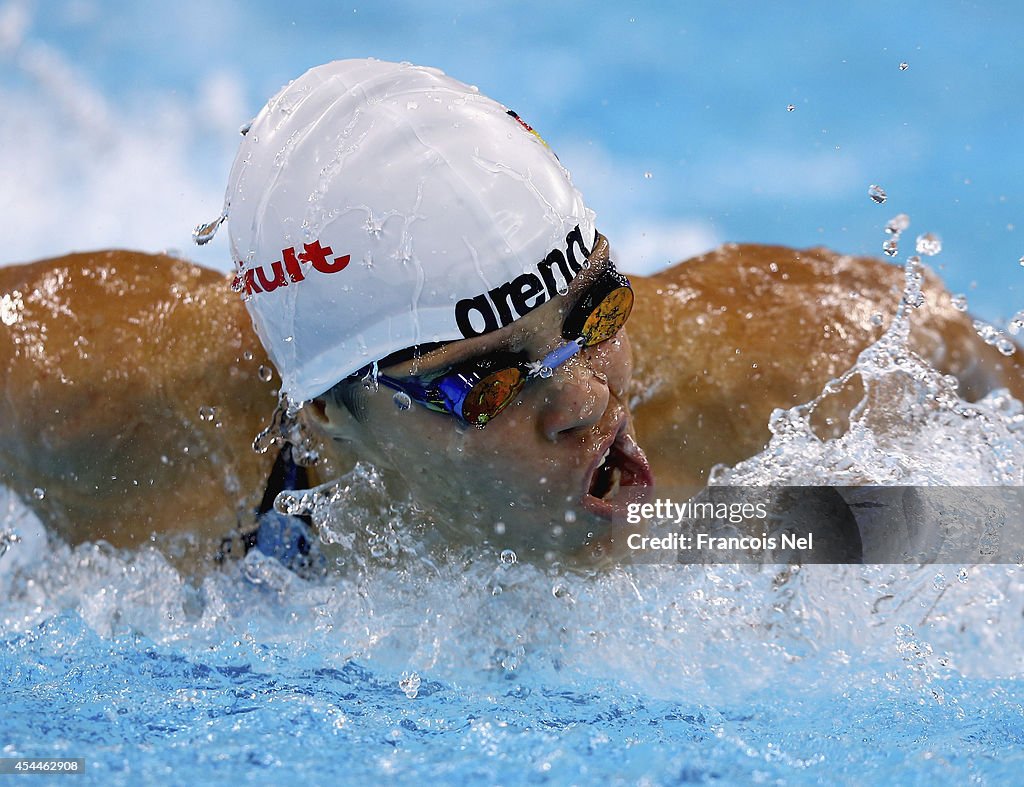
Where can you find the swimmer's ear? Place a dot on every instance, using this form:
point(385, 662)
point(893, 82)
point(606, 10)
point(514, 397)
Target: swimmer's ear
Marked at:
point(339, 417)
point(333, 416)
point(317, 410)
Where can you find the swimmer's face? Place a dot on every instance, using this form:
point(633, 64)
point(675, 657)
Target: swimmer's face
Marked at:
point(533, 478)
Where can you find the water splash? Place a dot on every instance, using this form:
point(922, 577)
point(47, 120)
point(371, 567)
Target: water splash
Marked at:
point(908, 427)
point(358, 523)
point(204, 233)
point(286, 428)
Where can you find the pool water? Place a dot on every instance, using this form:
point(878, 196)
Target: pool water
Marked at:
point(671, 674)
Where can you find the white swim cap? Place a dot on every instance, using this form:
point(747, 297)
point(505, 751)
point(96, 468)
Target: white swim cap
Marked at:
point(375, 206)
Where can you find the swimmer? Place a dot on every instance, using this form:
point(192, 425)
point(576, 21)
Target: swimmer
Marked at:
point(414, 264)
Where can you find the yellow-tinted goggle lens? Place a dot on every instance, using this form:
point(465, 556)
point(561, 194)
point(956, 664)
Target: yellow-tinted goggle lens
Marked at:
point(492, 395)
point(608, 317)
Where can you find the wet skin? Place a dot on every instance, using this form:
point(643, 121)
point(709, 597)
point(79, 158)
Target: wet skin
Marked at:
point(109, 357)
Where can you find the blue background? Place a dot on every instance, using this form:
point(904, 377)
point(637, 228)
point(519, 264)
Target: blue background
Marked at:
point(122, 118)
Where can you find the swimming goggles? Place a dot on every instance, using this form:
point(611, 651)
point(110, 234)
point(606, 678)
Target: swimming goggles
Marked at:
point(476, 391)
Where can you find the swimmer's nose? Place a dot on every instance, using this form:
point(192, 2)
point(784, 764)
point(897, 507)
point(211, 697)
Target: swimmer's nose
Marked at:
point(579, 392)
point(576, 397)
point(613, 362)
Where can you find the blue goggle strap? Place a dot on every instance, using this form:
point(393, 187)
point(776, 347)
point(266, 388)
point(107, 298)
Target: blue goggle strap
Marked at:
point(555, 358)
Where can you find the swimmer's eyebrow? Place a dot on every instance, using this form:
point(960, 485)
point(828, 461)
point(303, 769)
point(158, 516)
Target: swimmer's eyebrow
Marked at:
point(462, 350)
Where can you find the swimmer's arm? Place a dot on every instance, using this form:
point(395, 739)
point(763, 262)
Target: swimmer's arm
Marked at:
point(723, 339)
point(112, 362)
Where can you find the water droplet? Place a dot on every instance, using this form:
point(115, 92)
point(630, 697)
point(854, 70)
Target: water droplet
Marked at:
point(410, 684)
point(402, 400)
point(207, 413)
point(773, 267)
point(929, 244)
point(559, 590)
point(1021, 261)
point(790, 107)
point(1006, 346)
point(961, 576)
point(38, 493)
point(876, 319)
point(499, 528)
point(648, 175)
point(508, 557)
point(570, 517)
point(891, 247)
point(289, 339)
point(959, 302)
point(8, 538)
point(904, 65)
point(204, 233)
point(897, 224)
point(877, 193)
point(511, 661)
point(244, 128)
point(288, 503)
point(265, 373)
point(247, 355)
point(369, 381)
point(1017, 322)
point(939, 581)
point(373, 227)
point(988, 333)
point(545, 372)
point(562, 289)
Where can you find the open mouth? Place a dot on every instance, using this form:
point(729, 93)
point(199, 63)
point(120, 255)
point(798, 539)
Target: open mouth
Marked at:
point(621, 475)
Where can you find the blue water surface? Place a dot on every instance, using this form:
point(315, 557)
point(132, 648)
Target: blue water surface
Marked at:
point(257, 714)
point(498, 674)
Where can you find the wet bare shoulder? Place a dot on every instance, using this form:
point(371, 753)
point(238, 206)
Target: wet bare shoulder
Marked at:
point(723, 339)
point(125, 374)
